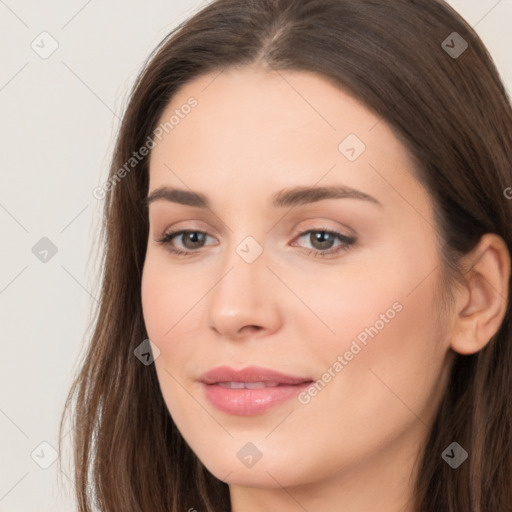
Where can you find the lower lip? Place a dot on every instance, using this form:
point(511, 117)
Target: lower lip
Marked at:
point(249, 402)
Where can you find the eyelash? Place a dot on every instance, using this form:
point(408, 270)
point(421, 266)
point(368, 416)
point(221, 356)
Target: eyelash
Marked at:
point(348, 242)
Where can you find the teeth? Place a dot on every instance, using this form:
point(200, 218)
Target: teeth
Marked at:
point(247, 385)
point(232, 385)
point(256, 385)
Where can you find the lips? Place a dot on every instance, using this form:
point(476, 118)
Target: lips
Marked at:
point(249, 391)
point(254, 374)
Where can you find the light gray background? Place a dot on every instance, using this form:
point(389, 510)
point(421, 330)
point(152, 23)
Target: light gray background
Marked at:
point(58, 120)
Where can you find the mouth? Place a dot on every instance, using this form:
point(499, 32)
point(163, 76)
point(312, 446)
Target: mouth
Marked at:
point(248, 385)
point(250, 375)
point(250, 391)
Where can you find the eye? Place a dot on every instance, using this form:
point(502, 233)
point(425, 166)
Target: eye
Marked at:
point(190, 239)
point(323, 240)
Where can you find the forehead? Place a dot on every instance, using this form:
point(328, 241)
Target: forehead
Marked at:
point(270, 107)
point(252, 128)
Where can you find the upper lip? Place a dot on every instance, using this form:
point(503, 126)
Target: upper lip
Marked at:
point(249, 374)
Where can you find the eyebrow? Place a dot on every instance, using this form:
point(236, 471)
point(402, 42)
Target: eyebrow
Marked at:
point(287, 197)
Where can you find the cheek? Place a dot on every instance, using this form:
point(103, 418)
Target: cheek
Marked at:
point(391, 358)
point(171, 302)
point(386, 303)
point(167, 298)
point(386, 332)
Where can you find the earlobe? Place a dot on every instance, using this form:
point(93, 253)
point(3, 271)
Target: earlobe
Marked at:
point(481, 314)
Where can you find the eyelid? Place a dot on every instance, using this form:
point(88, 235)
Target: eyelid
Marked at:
point(171, 234)
point(297, 232)
point(321, 225)
point(346, 241)
point(329, 224)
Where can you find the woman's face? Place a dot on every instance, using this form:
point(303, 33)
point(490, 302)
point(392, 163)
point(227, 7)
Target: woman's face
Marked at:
point(336, 291)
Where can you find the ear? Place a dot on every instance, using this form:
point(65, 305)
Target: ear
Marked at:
point(483, 302)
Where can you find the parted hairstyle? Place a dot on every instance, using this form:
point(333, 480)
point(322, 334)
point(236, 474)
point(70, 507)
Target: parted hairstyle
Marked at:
point(453, 115)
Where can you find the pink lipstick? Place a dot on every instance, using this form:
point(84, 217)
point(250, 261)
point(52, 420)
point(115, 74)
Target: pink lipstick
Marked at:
point(249, 391)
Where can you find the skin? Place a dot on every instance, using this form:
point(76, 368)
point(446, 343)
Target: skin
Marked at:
point(253, 133)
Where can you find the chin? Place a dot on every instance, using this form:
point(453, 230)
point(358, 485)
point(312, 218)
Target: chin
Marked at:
point(264, 474)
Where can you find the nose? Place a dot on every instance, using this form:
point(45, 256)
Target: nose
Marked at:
point(244, 301)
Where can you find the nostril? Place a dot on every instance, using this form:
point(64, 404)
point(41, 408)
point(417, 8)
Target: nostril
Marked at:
point(252, 327)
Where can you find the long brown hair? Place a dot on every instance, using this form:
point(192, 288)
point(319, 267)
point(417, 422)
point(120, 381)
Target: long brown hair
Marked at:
point(452, 113)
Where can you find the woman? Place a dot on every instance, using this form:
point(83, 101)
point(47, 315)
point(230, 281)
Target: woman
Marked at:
point(307, 215)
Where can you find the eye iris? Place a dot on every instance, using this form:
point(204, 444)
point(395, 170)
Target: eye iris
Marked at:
point(320, 237)
point(194, 237)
